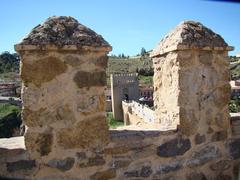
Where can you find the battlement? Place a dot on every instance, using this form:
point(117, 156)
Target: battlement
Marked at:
point(64, 109)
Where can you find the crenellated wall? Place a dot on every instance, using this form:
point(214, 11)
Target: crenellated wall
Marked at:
point(63, 73)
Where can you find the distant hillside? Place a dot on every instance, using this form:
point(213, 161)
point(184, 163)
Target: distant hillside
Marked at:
point(235, 67)
point(140, 64)
point(9, 62)
point(137, 64)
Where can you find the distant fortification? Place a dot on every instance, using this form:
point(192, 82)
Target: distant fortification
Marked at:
point(123, 87)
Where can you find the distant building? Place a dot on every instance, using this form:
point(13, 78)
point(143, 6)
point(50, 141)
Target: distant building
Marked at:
point(238, 55)
point(146, 91)
point(123, 87)
point(8, 89)
point(235, 87)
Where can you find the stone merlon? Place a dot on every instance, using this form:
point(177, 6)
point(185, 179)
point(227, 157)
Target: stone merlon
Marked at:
point(190, 35)
point(62, 32)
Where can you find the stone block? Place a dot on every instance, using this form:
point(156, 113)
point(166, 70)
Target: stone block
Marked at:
point(222, 95)
point(117, 150)
point(44, 116)
point(188, 121)
point(145, 172)
point(21, 165)
point(199, 139)
point(174, 147)
point(102, 62)
point(196, 176)
point(104, 175)
point(90, 132)
point(88, 79)
point(169, 167)
point(93, 161)
point(81, 155)
point(41, 70)
point(120, 163)
point(233, 148)
point(204, 155)
point(206, 57)
point(39, 142)
point(221, 165)
point(62, 164)
point(219, 136)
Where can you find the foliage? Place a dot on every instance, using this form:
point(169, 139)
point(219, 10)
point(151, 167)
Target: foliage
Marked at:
point(6, 109)
point(9, 62)
point(112, 123)
point(234, 105)
point(145, 79)
point(10, 119)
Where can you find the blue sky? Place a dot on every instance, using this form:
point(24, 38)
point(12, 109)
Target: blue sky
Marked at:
point(128, 25)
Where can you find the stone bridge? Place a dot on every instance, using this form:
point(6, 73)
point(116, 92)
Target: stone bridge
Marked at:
point(63, 73)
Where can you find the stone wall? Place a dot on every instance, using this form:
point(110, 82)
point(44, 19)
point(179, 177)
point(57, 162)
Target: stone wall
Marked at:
point(143, 114)
point(68, 139)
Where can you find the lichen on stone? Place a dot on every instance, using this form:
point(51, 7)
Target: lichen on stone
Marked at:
point(63, 30)
point(192, 34)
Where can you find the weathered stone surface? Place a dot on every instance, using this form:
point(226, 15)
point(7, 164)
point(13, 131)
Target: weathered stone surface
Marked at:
point(196, 176)
point(89, 104)
point(120, 163)
point(222, 95)
point(87, 79)
point(221, 121)
point(4, 153)
point(104, 175)
point(188, 121)
point(221, 165)
point(206, 58)
point(145, 171)
point(174, 147)
point(199, 139)
point(39, 142)
point(62, 164)
point(117, 150)
point(63, 30)
point(42, 70)
point(219, 136)
point(203, 156)
point(102, 61)
point(73, 61)
point(81, 155)
point(133, 173)
point(43, 116)
point(189, 35)
point(84, 134)
point(93, 161)
point(169, 167)
point(223, 177)
point(210, 130)
point(21, 165)
point(233, 148)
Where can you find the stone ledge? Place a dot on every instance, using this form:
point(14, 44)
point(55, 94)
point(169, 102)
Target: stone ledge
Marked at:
point(19, 48)
point(131, 134)
point(12, 143)
point(157, 53)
